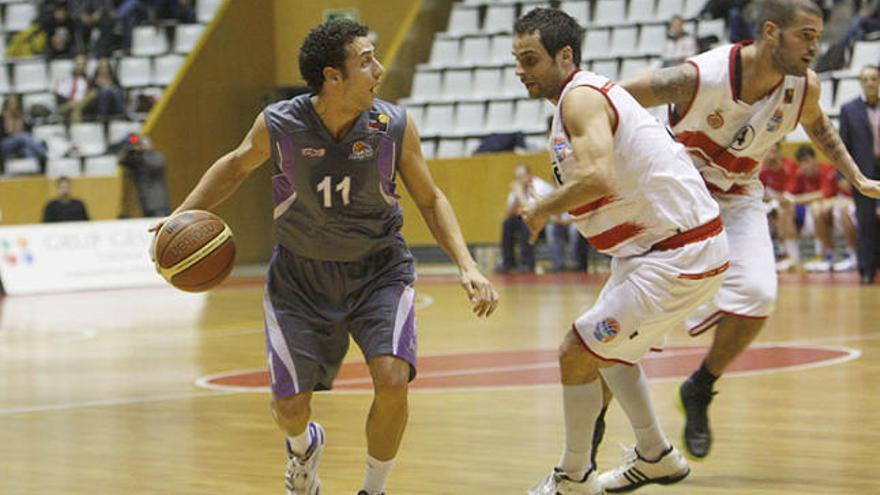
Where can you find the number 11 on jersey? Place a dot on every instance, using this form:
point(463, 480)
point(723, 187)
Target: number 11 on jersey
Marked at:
point(343, 187)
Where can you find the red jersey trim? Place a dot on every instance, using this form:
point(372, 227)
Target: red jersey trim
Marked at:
point(593, 205)
point(615, 235)
point(700, 233)
point(803, 100)
point(717, 153)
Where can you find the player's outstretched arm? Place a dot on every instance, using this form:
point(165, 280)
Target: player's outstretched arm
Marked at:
point(589, 119)
point(440, 217)
point(823, 134)
point(675, 85)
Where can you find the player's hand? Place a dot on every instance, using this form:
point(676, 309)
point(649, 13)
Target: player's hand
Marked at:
point(157, 225)
point(481, 292)
point(534, 220)
point(869, 188)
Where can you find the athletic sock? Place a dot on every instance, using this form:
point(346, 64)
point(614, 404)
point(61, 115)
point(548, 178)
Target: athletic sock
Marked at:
point(300, 443)
point(703, 378)
point(631, 391)
point(376, 475)
point(582, 404)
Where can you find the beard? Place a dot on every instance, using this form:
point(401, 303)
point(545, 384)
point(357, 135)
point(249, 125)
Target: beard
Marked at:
point(784, 64)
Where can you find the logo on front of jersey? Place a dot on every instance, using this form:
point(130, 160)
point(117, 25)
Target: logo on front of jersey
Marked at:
point(378, 122)
point(606, 330)
point(743, 138)
point(775, 121)
point(313, 152)
point(788, 96)
point(360, 151)
point(560, 149)
point(715, 120)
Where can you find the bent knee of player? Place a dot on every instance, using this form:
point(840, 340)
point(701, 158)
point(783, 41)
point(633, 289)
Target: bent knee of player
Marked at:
point(391, 382)
point(293, 408)
point(576, 363)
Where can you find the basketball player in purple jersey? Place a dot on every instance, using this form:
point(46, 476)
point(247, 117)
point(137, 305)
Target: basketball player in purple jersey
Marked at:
point(341, 266)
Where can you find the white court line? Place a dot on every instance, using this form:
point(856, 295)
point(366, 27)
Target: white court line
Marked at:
point(217, 390)
point(108, 402)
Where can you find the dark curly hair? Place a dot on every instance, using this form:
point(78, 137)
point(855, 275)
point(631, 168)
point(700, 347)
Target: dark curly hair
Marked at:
point(325, 47)
point(556, 29)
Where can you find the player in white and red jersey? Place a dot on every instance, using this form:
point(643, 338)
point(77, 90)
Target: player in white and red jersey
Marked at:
point(634, 194)
point(728, 106)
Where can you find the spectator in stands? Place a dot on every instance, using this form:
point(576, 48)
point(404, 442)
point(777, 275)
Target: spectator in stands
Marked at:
point(562, 237)
point(130, 13)
point(146, 168)
point(16, 140)
point(73, 92)
point(64, 208)
point(777, 172)
point(94, 19)
point(524, 189)
point(176, 10)
point(679, 43)
point(733, 13)
point(865, 22)
point(107, 92)
point(860, 133)
point(59, 28)
point(810, 189)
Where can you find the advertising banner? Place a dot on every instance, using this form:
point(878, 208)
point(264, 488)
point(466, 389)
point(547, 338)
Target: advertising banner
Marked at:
point(71, 256)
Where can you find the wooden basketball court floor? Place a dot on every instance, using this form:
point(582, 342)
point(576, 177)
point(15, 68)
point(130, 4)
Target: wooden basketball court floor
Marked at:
point(99, 395)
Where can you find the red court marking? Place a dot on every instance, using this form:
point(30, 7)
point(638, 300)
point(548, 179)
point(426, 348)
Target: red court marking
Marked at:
point(539, 367)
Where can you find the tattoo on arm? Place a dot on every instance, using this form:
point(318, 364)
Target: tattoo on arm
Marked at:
point(825, 136)
point(674, 84)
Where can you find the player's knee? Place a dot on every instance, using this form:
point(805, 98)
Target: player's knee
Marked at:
point(291, 408)
point(575, 362)
point(392, 384)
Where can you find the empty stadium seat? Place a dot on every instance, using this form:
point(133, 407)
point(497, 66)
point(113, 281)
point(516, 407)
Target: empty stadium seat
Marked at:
point(463, 19)
point(102, 165)
point(135, 71)
point(166, 67)
point(486, 82)
point(579, 9)
point(499, 117)
point(445, 52)
point(19, 16)
point(595, 43)
point(499, 18)
point(450, 148)
point(640, 10)
point(529, 116)
point(63, 167)
point(30, 76)
point(88, 138)
point(205, 10)
point(501, 46)
point(652, 39)
point(186, 36)
point(609, 12)
point(847, 89)
point(20, 166)
point(148, 40)
point(458, 84)
point(426, 84)
point(119, 129)
point(469, 117)
point(623, 40)
point(438, 119)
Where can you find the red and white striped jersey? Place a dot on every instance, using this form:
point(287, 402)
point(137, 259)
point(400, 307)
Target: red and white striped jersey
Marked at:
point(657, 191)
point(728, 137)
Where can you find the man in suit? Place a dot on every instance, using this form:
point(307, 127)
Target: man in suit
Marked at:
point(860, 132)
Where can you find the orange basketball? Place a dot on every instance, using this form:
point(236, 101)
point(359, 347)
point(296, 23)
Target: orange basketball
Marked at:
point(194, 250)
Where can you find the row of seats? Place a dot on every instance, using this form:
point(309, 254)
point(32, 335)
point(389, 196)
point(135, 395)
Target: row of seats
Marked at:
point(95, 166)
point(18, 16)
point(36, 75)
point(501, 82)
point(492, 17)
point(83, 139)
point(599, 42)
point(479, 118)
point(457, 147)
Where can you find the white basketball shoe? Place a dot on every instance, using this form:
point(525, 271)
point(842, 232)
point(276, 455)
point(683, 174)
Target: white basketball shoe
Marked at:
point(636, 471)
point(301, 477)
point(558, 483)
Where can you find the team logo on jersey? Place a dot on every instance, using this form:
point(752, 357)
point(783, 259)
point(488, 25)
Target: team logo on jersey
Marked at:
point(361, 151)
point(775, 121)
point(606, 330)
point(788, 96)
point(378, 122)
point(743, 138)
point(313, 152)
point(715, 120)
point(560, 149)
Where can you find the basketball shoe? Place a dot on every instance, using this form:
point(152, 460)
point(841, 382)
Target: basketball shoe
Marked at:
point(301, 477)
point(637, 471)
point(364, 492)
point(558, 483)
point(693, 401)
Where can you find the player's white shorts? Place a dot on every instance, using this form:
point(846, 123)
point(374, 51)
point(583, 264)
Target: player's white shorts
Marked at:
point(750, 286)
point(647, 296)
point(809, 227)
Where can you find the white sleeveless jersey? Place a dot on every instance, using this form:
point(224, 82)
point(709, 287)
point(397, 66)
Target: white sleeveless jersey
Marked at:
point(727, 137)
point(658, 193)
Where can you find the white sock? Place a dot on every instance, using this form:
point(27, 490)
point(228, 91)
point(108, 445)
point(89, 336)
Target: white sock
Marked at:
point(300, 443)
point(377, 475)
point(582, 404)
point(631, 390)
point(792, 249)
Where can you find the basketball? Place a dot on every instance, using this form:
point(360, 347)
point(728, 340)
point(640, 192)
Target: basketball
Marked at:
point(194, 250)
